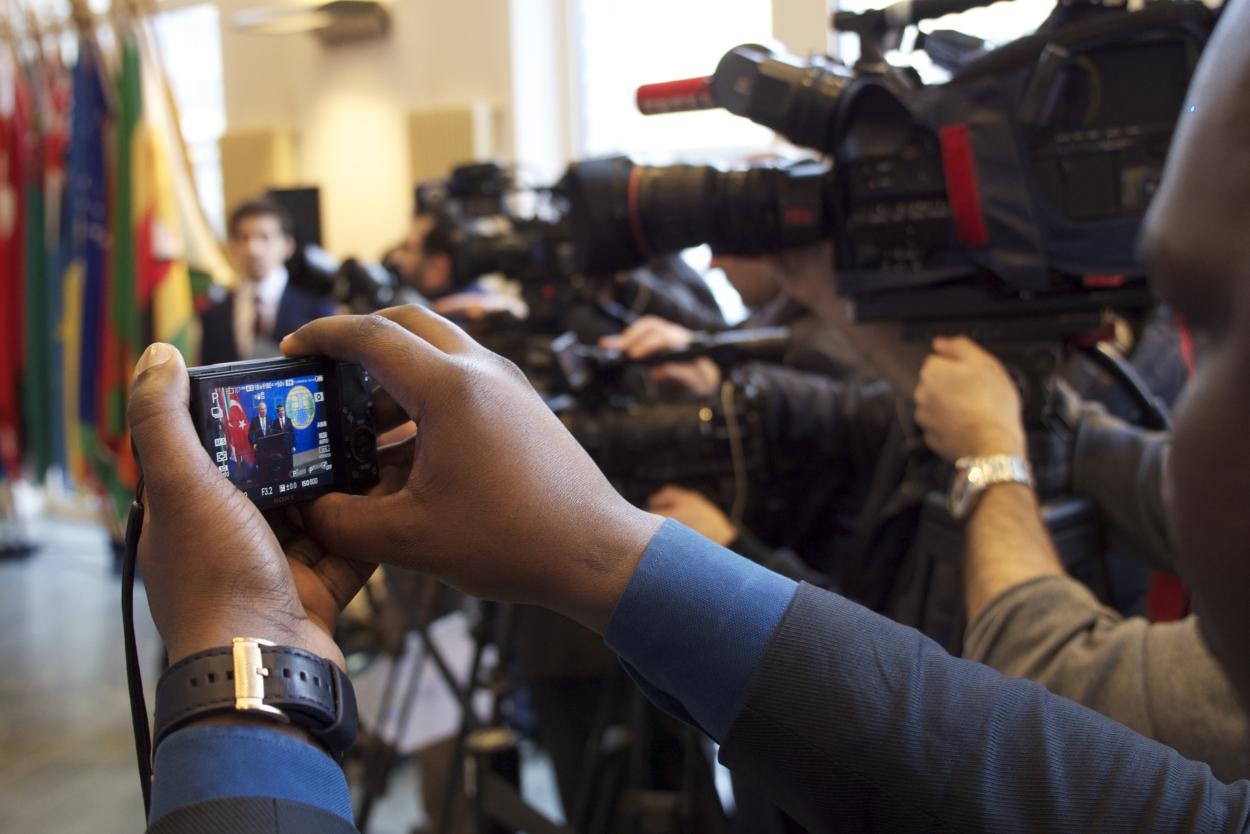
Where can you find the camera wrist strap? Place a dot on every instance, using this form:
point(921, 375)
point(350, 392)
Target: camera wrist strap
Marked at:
point(134, 674)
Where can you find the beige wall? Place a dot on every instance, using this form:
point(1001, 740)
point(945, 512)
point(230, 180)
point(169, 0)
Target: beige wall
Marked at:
point(802, 25)
point(348, 105)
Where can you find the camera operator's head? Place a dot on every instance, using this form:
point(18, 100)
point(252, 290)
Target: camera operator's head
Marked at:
point(753, 278)
point(424, 258)
point(262, 238)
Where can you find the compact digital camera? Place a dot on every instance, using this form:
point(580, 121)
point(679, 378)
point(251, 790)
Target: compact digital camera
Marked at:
point(287, 430)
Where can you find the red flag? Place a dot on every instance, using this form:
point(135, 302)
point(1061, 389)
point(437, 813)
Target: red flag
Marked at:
point(235, 424)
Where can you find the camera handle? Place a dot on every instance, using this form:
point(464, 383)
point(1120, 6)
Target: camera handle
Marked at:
point(880, 30)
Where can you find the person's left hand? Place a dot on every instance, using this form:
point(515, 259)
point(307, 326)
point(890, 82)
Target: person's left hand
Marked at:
point(212, 566)
point(695, 511)
point(651, 335)
point(967, 404)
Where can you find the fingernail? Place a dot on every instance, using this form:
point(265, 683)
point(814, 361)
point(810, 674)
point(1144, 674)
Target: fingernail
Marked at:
point(157, 354)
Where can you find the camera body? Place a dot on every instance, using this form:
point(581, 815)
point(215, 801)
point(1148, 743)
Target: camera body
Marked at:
point(487, 235)
point(719, 447)
point(1015, 189)
point(287, 430)
point(1018, 187)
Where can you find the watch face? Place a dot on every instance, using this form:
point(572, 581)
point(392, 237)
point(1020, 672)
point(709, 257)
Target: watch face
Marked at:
point(957, 497)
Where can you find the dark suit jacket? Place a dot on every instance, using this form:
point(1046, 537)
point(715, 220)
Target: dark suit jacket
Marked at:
point(854, 723)
point(297, 308)
point(254, 433)
point(250, 815)
point(285, 427)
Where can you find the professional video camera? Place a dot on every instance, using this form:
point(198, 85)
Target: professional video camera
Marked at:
point(642, 443)
point(489, 235)
point(718, 446)
point(1017, 188)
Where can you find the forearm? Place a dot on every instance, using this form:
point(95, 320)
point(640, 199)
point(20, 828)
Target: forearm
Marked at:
point(1006, 545)
point(1157, 679)
point(854, 723)
point(1121, 468)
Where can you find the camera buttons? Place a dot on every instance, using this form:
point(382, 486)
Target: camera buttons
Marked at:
point(362, 444)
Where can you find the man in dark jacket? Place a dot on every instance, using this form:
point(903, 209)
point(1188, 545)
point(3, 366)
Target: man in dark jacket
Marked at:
point(250, 321)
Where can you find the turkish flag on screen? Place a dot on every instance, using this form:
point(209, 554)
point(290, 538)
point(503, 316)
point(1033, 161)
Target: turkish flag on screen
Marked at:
point(235, 423)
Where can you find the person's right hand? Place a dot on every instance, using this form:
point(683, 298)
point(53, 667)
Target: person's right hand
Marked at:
point(650, 335)
point(213, 568)
point(501, 501)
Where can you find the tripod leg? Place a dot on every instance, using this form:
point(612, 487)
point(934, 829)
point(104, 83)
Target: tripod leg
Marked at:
point(377, 781)
point(468, 723)
point(381, 759)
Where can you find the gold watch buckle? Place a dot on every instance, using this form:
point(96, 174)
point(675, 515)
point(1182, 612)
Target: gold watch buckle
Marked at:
point(249, 677)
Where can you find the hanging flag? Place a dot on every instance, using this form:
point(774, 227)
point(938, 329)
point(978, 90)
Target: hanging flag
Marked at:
point(53, 95)
point(123, 332)
point(88, 241)
point(36, 392)
point(12, 297)
point(203, 254)
point(164, 282)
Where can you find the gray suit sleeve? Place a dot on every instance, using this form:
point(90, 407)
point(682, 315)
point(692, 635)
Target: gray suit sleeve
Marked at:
point(1158, 679)
point(1120, 468)
point(855, 723)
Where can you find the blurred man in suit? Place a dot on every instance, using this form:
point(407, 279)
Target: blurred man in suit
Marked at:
point(250, 321)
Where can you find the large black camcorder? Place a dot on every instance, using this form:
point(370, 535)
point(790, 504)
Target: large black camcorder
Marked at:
point(488, 236)
point(1015, 188)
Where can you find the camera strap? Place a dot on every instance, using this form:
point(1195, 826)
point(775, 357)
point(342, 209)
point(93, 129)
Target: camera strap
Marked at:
point(134, 674)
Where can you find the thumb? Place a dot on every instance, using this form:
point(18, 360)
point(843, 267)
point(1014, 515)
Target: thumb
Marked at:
point(359, 527)
point(169, 449)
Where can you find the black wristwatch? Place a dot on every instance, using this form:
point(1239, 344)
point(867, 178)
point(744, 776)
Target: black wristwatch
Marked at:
point(256, 677)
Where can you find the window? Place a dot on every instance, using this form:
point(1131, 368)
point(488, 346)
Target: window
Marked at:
point(997, 24)
point(190, 45)
point(618, 46)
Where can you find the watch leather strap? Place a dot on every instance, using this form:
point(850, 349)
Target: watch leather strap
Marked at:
point(284, 684)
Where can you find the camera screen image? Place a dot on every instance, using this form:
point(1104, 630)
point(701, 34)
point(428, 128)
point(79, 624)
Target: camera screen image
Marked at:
point(270, 437)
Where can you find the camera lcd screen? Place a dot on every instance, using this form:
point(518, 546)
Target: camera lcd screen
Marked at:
point(270, 437)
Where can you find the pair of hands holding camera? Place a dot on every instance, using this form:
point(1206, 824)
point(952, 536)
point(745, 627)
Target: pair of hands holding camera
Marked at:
point(491, 495)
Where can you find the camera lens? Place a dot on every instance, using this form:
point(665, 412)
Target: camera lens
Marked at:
point(798, 99)
point(622, 214)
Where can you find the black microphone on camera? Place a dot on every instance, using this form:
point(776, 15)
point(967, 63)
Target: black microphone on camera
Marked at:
point(727, 347)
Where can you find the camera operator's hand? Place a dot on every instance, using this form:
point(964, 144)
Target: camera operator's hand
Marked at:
point(651, 335)
point(695, 511)
point(501, 501)
point(475, 306)
point(806, 275)
point(967, 404)
point(648, 336)
point(212, 566)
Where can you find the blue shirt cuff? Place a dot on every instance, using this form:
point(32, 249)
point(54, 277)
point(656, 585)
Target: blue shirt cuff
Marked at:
point(694, 624)
point(212, 762)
